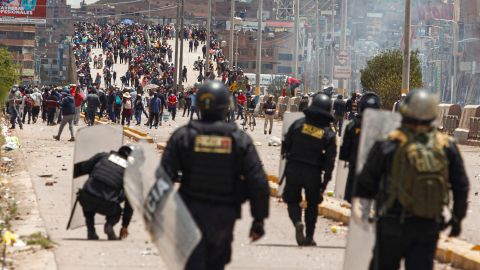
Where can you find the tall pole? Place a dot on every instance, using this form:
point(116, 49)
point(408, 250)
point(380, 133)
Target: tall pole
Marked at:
point(175, 73)
point(259, 46)
point(317, 45)
point(296, 35)
point(236, 51)
point(343, 38)
point(406, 49)
point(332, 47)
point(456, 14)
point(209, 25)
point(232, 30)
point(180, 65)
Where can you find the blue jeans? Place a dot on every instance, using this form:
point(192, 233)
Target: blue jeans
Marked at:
point(111, 113)
point(138, 117)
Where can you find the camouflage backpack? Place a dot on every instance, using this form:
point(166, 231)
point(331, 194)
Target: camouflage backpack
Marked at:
point(419, 180)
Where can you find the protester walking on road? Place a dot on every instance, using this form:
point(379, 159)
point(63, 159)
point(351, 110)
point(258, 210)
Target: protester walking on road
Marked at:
point(14, 100)
point(155, 107)
point(172, 105)
point(139, 108)
point(127, 109)
point(79, 98)
point(67, 106)
point(93, 102)
point(269, 110)
point(37, 98)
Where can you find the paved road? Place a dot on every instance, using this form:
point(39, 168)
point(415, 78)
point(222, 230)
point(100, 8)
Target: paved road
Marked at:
point(277, 250)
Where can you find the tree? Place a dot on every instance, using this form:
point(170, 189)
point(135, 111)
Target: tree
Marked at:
point(8, 73)
point(383, 75)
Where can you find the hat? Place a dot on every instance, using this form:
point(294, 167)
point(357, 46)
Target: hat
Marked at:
point(127, 95)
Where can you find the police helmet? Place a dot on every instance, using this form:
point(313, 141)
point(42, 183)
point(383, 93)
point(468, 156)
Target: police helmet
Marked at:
point(125, 150)
point(213, 99)
point(369, 100)
point(419, 107)
point(321, 106)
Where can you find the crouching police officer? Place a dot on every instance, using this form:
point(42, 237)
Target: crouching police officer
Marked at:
point(220, 169)
point(310, 149)
point(351, 140)
point(103, 192)
point(410, 175)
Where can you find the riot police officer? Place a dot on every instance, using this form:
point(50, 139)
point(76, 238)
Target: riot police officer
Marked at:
point(351, 140)
point(103, 192)
point(310, 149)
point(220, 170)
point(410, 175)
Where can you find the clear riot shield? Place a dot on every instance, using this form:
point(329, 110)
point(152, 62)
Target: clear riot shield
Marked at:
point(288, 119)
point(167, 219)
point(376, 125)
point(341, 169)
point(90, 141)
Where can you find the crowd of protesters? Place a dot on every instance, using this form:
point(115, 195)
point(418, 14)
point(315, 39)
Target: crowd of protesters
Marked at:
point(147, 88)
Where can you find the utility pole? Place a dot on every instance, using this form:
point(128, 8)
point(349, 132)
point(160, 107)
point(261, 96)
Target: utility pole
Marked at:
point(343, 39)
point(456, 14)
point(236, 51)
point(175, 73)
point(259, 46)
point(296, 36)
point(232, 30)
point(406, 49)
point(180, 65)
point(149, 15)
point(209, 25)
point(332, 47)
point(317, 45)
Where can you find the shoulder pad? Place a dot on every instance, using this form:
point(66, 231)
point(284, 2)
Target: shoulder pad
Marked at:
point(398, 135)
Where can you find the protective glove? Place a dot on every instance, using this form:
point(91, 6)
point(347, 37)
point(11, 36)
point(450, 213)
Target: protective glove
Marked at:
point(123, 233)
point(257, 230)
point(361, 212)
point(456, 227)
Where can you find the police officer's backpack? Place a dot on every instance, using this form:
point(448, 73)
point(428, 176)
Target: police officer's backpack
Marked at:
point(419, 179)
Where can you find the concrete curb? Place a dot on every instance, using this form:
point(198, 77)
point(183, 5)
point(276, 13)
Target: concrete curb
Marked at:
point(137, 135)
point(128, 131)
point(458, 253)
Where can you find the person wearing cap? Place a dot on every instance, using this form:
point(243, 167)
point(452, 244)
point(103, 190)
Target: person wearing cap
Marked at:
point(127, 108)
point(67, 105)
point(412, 176)
point(309, 148)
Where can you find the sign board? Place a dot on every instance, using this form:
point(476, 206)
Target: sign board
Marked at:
point(265, 79)
point(465, 66)
point(23, 11)
point(342, 68)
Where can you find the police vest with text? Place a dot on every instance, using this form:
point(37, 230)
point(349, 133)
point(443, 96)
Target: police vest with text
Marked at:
point(419, 179)
point(213, 172)
point(309, 143)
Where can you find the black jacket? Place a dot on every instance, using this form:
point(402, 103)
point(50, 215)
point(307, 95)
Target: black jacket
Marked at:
point(379, 165)
point(177, 158)
point(339, 107)
point(298, 147)
point(104, 182)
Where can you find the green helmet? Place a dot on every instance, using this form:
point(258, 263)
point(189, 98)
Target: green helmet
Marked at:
point(420, 107)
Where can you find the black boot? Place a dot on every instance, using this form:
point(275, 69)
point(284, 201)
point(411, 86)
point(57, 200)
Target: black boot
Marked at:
point(299, 236)
point(92, 235)
point(108, 229)
point(309, 242)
